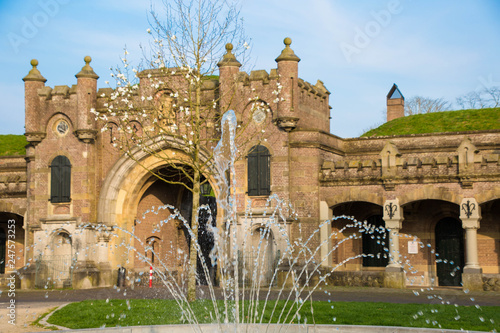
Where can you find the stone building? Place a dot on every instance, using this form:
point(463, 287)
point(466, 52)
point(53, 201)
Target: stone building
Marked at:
point(431, 192)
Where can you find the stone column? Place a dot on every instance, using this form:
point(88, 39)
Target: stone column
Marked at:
point(325, 216)
point(393, 217)
point(470, 214)
point(106, 276)
point(85, 271)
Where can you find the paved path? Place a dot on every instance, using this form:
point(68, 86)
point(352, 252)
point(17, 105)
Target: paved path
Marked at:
point(31, 304)
point(26, 313)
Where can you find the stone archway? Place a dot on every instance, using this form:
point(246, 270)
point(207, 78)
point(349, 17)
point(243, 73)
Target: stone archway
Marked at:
point(359, 248)
point(60, 258)
point(123, 189)
point(261, 255)
point(159, 236)
point(419, 238)
point(488, 239)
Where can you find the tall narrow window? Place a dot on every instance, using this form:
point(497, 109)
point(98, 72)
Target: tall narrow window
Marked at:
point(152, 250)
point(60, 184)
point(375, 243)
point(259, 175)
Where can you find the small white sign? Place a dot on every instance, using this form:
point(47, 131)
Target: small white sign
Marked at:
point(412, 247)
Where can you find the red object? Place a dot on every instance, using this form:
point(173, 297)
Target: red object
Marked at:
point(150, 276)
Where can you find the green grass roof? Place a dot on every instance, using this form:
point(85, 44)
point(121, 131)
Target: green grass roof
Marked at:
point(12, 145)
point(438, 122)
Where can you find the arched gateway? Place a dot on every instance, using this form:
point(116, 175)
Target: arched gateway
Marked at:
point(149, 218)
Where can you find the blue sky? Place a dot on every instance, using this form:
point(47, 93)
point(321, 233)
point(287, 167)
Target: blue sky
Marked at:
point(357, 48)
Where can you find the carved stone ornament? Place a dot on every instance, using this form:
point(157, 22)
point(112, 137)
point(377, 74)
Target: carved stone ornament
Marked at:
point(392, 210)
point(469, 209)
point(35, 137)
point(287, 123)
point(87, 136)
point(62, 127)
point(259, 116)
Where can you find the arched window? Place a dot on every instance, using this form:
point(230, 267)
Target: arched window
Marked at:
point(60, 183)
point(152, 249)
point(376, 243)
point(259, 175)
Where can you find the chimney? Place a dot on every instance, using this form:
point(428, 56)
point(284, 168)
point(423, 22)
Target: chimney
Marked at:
point(395, 103)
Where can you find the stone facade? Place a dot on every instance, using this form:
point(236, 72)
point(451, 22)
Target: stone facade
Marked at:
point(430, 191)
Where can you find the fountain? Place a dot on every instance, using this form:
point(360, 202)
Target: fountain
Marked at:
point(255, 274)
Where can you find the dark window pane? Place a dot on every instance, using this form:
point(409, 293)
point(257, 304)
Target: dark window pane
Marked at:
point(259, 171)
point(60, 184)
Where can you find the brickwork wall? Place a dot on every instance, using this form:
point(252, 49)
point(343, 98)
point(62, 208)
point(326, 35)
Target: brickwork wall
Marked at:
point(171, 239)
point(429, 174)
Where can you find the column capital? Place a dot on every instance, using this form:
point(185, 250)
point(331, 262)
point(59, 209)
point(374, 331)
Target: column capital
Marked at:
point(394, 224)
point(470, 213)
point(471, 223)
point(393, 214)
point(469, 209)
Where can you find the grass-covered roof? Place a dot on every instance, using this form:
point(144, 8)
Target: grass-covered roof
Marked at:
point(439, 122)
point(11, 145)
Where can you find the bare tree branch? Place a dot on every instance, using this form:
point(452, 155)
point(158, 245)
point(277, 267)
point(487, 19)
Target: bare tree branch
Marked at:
point(419, 105)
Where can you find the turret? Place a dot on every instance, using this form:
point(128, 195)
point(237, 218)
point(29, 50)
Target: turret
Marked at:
point(395, 103)
point(229, 67)
point(32, 83)
point(288, 71)
point(86, 92)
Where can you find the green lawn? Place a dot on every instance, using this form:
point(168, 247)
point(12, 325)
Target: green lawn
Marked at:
point(448, 121)
point(12, 145)
point(111, 313)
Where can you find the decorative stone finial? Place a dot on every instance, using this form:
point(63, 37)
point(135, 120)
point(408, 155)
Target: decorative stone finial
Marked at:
point(34, 74)
point(287, 53)
point(229, 59)
point(87, 71)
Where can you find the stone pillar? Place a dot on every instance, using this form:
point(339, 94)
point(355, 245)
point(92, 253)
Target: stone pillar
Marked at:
point(393, 217)
point(229, 68)
point(288, 71)
point(470, 214)
point(33, 82)
point(106, 276)
point(325, 216)
point(86, 95)
point(85, 271)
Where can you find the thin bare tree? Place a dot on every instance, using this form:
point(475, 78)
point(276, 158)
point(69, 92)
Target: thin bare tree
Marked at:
point(176, 103)
point(419, 104)
point(488, 97)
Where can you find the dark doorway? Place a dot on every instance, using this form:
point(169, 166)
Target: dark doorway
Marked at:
point(450, 247)
point(3, 240)
point(375, 243)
